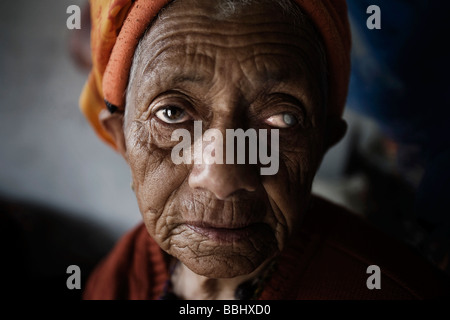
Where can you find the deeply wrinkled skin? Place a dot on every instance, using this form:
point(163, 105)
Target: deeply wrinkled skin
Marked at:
point(240, 71)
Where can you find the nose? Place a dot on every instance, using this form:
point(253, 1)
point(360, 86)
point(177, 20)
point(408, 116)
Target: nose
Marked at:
point(223, 179)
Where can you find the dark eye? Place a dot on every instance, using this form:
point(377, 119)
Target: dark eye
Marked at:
point(172, 114)
point(282, 120)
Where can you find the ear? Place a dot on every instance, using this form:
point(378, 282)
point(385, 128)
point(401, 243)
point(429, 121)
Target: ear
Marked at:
point(336, 127)
point(113, 124)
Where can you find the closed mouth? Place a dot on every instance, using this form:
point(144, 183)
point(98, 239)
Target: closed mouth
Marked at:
point(225, 233)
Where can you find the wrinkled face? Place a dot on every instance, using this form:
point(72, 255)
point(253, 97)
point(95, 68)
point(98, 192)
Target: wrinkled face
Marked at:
point(253, 69)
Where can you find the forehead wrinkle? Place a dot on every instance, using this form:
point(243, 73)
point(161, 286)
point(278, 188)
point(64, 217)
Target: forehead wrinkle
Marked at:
point(271, 66)
point(235, 23)
point(179, 40)
point(171, 69)
point(291, 68)
point(167, 27)
point(196, 22)
point(175, 31)
point(225, 41)
point(269, 70)
point(180, 32)
point(263, 72)
point(203, 54)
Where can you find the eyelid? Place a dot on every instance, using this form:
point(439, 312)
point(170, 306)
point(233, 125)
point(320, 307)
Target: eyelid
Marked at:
point(171, 98)
point(281, 109)
point(165, 102)
point(295, 105)
point(278, 103)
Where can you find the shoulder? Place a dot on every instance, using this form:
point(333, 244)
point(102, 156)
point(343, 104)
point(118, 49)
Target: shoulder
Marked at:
point(342, 247)
point(134, 269)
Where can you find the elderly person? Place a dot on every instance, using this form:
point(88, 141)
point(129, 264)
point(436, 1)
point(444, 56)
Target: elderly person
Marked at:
point(222, 230)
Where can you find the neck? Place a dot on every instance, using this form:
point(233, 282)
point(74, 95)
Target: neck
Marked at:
point(191, 286)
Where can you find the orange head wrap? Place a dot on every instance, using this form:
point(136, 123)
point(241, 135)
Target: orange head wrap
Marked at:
point(118, 25)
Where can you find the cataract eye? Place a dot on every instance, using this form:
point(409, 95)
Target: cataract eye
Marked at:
point(172, 115)
point(282, 120)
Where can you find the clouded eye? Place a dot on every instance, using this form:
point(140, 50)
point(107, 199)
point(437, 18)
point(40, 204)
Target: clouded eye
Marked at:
point(172, 115)
point(282, 120)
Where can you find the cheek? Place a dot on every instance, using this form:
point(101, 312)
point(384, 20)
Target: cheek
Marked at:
point(289, 190)
point(155, 177)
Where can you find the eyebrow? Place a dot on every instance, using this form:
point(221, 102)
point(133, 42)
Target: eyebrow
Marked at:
point(291, 99)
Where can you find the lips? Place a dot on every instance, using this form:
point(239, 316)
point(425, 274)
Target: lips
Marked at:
point(228, 234)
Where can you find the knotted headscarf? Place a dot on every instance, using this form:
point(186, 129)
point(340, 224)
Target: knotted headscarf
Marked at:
point(118, 25)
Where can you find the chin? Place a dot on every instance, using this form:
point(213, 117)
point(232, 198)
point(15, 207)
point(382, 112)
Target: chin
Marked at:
point(219, 267)
point(207, 254)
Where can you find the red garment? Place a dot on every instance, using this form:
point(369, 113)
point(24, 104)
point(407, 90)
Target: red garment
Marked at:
point(327, 259)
